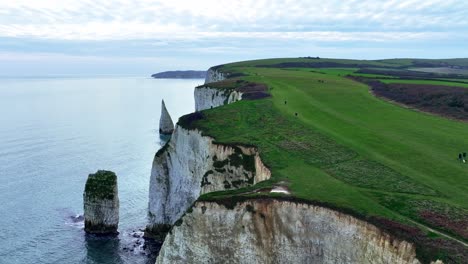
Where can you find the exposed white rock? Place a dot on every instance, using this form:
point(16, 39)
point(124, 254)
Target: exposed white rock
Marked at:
point(190, 165)
point(280, 189)
point(213, 75)
point(206, 97)
point(274, 231)
point(101, 203)
point(166, 126)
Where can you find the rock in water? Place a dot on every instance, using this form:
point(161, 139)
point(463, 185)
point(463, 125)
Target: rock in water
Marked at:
point(166, 126)
point(101, 203)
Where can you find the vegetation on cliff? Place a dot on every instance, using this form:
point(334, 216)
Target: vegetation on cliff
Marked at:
point(330, 140)
point(249, 90)
point(101, 203)
point(101, 185)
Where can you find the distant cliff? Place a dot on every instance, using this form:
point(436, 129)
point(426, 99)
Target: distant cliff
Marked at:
point(180, 75)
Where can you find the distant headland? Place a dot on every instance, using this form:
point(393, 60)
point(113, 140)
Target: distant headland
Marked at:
point(180, 75)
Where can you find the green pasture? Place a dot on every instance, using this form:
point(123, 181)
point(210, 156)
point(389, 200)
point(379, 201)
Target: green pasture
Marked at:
point(346, 147)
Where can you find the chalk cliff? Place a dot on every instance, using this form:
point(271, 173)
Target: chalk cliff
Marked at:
point(166, 126)
point(215, 75)
point(276, 231)
point(207, 97)
point(262, 230)
point(191, 164)
point(218, 91)
point(101, 203)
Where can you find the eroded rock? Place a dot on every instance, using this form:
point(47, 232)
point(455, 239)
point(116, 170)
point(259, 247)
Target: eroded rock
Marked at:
point(101, 203)
point(214, 75)
point(207, 97)
point(166, 126)
point(276, 231)
point(190, 165)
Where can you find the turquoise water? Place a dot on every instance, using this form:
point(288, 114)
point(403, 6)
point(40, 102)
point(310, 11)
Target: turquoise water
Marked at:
point(53, 133)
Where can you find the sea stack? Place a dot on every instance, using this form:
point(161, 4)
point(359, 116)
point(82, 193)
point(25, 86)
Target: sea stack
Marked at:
point(101, 203)
point(166, 126)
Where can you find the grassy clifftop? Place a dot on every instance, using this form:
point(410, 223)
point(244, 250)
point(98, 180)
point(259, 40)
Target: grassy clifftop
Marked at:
point(330, 140)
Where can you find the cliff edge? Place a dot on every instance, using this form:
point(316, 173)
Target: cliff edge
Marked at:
point(194, 174)
point(190, 165)
point(276, 231)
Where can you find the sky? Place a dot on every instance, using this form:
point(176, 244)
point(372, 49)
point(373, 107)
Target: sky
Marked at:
point(53, 37)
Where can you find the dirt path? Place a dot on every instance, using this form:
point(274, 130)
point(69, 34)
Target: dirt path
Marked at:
point(440, 233)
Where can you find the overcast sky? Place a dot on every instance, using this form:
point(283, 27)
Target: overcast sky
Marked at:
point(145, 36)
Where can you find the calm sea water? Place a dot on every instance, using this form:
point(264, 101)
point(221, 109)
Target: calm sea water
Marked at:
point(53, 133)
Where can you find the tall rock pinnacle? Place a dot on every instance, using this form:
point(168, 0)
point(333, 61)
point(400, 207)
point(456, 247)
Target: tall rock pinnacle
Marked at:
point(166, 126)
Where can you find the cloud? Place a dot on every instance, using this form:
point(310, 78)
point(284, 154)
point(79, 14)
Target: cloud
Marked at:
point(143, 19)
point(180, 32)
point(132, 30)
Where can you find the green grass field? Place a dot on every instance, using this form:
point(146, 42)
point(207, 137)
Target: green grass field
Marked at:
point(350, 149)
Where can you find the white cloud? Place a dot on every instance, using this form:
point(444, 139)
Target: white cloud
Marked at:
point(333, 20)
point(131, 35)
point(173, 32)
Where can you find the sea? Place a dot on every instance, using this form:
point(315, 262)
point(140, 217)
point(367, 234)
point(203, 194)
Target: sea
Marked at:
point(54, 132)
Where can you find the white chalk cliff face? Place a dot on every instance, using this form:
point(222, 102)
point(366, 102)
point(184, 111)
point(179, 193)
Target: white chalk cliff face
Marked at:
point(207, 98)
point(213, 75)
point(166, 126)
point(190, 165)
point(274, 231)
